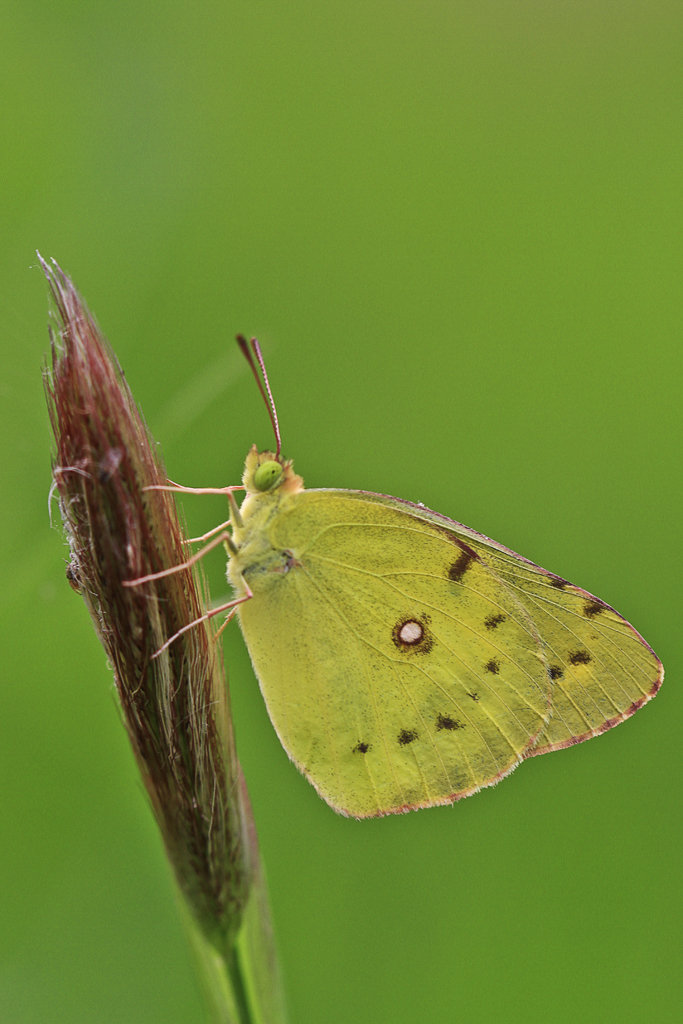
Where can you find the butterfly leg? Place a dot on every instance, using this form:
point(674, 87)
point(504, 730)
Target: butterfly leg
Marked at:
point(209, 533)
point(228, 491)
point(228, 618)
point(181, 489)
point(230, 607)
point(222, 538)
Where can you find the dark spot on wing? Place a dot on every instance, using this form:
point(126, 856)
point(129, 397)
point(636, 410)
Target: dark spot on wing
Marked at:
point(579, 657)
point(411, 634)
point(406, 736)
point(460, 566)
point(493, 621)
point(361, 748)
point(555, 672)
point(559, 583)
point(456, 540)
point(289, 562)
point(592, 608)
point(493, 666)
point(465, 547)
point(473, 695)
point(446, 722)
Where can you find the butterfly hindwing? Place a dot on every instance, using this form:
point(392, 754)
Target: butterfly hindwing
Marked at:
point(398, 670)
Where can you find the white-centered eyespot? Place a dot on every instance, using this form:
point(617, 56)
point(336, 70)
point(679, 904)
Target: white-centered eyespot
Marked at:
point(411, 632)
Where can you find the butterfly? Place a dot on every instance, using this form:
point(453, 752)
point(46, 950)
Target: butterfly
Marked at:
point(406, 660)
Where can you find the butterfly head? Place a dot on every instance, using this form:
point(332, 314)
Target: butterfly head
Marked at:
point(267, 473)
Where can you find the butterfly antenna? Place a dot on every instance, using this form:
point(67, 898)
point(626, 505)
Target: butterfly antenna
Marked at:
point(261, 380)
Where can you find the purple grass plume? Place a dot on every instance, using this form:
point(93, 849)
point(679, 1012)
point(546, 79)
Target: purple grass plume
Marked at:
point(175, 706)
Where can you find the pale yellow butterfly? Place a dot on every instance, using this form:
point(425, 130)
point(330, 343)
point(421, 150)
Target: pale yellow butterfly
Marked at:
point(406, 660)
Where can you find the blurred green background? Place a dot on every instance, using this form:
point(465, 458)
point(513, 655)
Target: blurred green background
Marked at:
point(457, 230)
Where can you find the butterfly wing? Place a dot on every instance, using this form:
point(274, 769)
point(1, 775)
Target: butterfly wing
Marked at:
point(601, 668)
point(399, 669)
point(408, 661)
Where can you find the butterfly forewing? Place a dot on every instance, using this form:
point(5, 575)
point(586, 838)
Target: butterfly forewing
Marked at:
point(601, 669)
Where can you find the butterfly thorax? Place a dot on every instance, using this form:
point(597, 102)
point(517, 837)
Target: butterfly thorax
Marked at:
point(271, 487)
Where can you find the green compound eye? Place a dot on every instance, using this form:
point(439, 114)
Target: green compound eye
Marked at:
point(267, 475)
